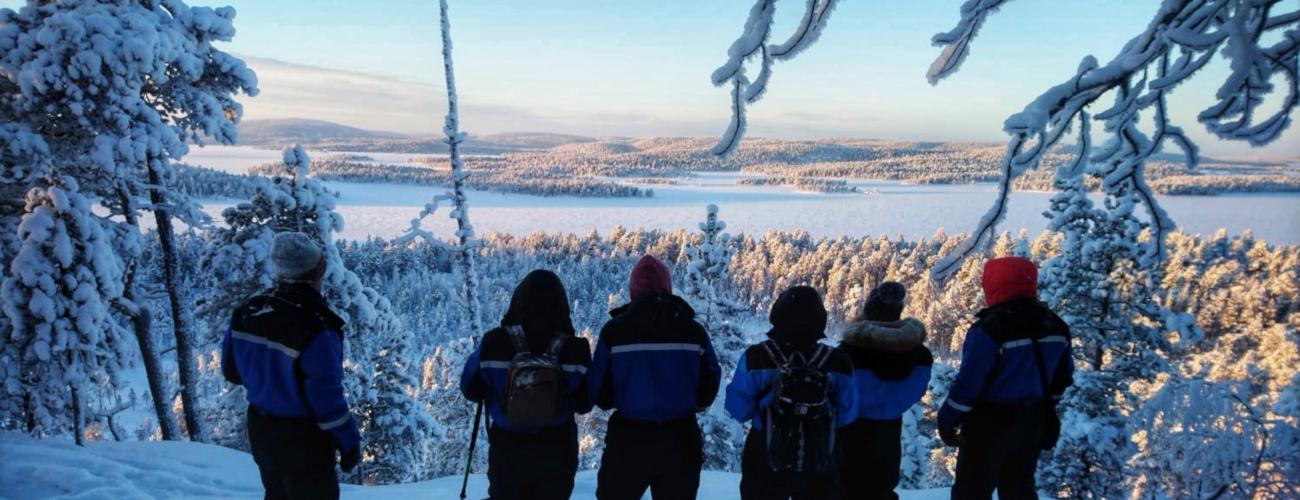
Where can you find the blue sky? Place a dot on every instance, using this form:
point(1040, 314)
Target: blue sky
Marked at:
point(641, 67)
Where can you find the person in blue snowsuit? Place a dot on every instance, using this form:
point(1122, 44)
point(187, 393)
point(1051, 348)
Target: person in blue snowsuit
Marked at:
point(285, 347)
point(656, 368)
point(891, 367)
point(798, 324)
point(531, 462)
point(1001, 410)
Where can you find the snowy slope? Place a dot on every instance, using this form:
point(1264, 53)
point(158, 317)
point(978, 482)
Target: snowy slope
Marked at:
point(128, 470)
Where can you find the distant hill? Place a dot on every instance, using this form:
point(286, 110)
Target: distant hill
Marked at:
point(284, 131)
point(337, 137)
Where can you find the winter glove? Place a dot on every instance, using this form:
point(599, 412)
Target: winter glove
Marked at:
point(348, 460)
point(950, 436)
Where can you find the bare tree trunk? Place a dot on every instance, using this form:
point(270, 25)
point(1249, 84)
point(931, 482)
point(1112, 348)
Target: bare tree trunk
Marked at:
point(141, 320)
point(180, 319)
point(76, 416)
point(464, 230)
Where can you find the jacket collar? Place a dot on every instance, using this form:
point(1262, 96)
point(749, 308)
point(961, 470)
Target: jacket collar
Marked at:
point(305, 296)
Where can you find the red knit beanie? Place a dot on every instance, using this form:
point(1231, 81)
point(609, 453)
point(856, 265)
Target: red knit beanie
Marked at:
point(1009, 278)
point(649, 277)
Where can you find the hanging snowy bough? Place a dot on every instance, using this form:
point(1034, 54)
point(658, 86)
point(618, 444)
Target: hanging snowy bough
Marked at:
point(753, 44)
point(1180, 40)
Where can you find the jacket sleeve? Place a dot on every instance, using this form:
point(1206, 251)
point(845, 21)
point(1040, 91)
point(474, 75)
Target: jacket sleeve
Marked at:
point(978, 355)
point(742, 394)
point(599, 378)
point(1064, 376)
point(578, 378)
point(472, 384)
point(710, 377)
point(322, 367)
point(228, 367)
point(845, 389)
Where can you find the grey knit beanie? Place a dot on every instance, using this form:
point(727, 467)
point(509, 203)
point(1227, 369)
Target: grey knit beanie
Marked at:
point(293, 255)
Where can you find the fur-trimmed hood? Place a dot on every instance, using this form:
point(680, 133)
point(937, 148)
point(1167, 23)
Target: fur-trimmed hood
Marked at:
point(895, 336)
point(889, 349)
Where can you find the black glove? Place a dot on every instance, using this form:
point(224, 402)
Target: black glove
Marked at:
point(950, 436)
point(348, 459)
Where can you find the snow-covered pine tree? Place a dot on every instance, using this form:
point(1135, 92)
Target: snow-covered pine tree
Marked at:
point(402, 437)
point(708, 286)
point(238, 260)
point(1097, 285)
point(115, 91)
point(55, 297)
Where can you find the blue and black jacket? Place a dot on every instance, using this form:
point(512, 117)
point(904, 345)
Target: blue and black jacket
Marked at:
point(998, 364)
point(654, 362)
point(286, 348)
point(798, 323)
point(539, 306)
point(486, 377)
point(750, 388)
point(891, 367)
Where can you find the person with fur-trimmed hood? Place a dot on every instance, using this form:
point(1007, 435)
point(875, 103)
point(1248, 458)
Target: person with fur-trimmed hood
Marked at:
point(1015, 364)
point(656, 368)
point(891, 367)
point(798, 325)
point(533, 444)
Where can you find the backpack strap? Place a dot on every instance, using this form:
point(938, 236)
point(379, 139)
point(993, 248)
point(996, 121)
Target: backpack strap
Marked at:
point(774, 351)
point(557, 344)
point(821, 355)
point(516, 333)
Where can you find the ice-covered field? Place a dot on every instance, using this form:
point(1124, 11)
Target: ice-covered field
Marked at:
point(892, 208)
point(32, 469)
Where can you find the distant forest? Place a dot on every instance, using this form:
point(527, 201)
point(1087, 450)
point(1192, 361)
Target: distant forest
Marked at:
point(621, 168)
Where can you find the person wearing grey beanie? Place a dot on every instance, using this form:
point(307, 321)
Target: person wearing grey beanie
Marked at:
point(295, 257)
point(285, 346)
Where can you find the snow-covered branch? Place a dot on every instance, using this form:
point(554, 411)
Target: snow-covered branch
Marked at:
point(1180, 40)
point(753, 44)
point(956, 43)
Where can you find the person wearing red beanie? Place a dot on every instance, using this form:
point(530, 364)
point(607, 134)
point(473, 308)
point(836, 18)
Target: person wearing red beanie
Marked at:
point(655, 367)
point(649, 277)
point(1001, 410)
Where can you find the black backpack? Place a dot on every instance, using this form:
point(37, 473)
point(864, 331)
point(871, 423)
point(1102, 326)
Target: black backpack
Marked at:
point(536, 382)
point(800, 419)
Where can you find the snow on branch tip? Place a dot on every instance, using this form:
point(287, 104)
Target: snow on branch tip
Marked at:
point(1179, 41)
point(753, 44)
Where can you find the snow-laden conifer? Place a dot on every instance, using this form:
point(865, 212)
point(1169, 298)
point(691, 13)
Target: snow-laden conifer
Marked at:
point(63, 349)
point(114, 92)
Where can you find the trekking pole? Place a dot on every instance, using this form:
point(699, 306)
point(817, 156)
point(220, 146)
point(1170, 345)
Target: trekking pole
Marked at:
point(473, 440)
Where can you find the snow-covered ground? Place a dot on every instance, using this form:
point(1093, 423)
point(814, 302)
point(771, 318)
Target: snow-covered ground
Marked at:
point(33, 468)
point(892, 208)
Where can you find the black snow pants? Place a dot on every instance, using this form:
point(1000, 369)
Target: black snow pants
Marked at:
point(532, 466)
point(665, 458)
point(759, 482)
point(1000, 449)
point(294, 456)
point(872, 450)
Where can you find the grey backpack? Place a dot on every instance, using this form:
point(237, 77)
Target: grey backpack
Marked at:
point(536, 383)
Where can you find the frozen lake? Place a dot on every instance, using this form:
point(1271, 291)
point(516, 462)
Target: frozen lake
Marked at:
point(891, 208)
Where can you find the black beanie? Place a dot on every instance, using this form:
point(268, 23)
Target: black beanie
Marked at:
point(798, 316)
point(885, 302)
